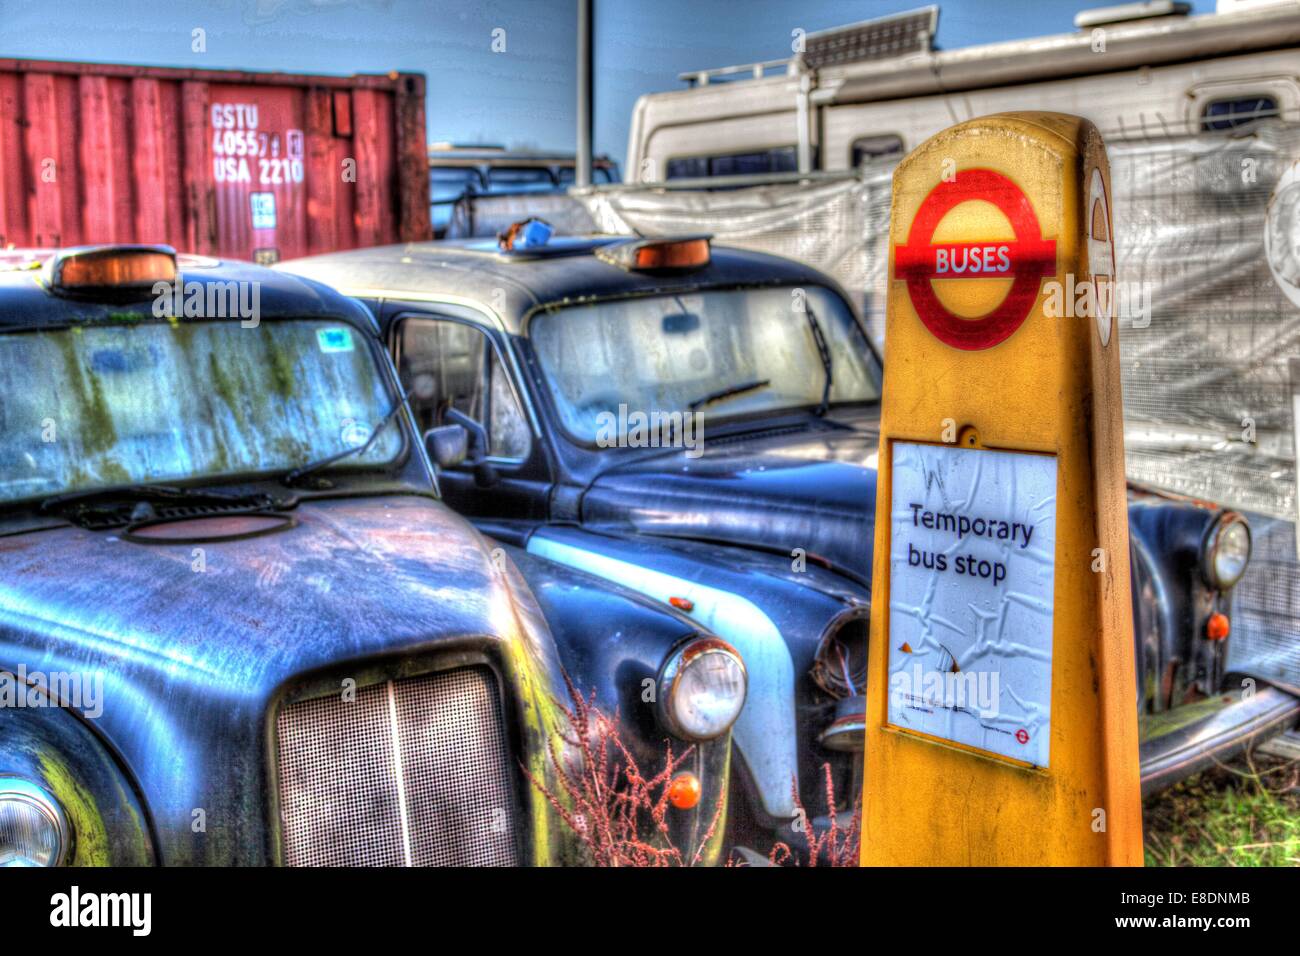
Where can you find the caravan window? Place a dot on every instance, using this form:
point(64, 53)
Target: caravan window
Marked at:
point(778, 159)
point(1237, 111)
point(599, 174)
point(866, 148)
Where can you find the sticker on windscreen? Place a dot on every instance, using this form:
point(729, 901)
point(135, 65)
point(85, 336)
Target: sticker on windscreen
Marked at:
point(354, 433)
point(334, 340)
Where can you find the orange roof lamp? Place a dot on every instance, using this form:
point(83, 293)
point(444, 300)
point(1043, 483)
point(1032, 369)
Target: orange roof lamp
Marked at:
point(666, 254)
point(1024, 751)
point(128, 270)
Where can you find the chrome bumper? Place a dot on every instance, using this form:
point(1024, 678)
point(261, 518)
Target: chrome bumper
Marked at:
point(1216, 737)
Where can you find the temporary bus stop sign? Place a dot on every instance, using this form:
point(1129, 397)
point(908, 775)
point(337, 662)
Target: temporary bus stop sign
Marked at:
point(1002, 700)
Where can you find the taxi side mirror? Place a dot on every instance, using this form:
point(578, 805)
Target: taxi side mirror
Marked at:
point(448, 445)
point(485, 476)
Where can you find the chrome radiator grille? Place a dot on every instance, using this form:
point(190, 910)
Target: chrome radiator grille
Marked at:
point(1265, 641)
point(413, 772)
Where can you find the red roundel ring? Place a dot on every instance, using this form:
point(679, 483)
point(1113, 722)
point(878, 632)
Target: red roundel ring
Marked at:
point(1031, 259)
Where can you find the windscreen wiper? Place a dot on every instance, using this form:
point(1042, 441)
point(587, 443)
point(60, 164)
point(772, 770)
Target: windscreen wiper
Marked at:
point(142, 492)
point(302, 471)
point(98, 508)
point(727, 392)
point(825, 353)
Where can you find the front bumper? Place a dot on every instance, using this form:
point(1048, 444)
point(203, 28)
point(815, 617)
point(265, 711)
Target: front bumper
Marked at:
point(1214, 731)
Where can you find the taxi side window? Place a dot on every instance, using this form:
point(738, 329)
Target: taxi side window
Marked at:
point(448, 364)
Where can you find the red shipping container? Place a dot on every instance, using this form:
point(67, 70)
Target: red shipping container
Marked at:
point(261, 166)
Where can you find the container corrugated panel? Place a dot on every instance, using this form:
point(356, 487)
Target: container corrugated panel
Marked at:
point(261, 166)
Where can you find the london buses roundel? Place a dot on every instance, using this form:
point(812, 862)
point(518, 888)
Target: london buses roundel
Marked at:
point(1027, 259)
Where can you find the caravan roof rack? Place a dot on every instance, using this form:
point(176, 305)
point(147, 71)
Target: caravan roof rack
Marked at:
point(744, 71)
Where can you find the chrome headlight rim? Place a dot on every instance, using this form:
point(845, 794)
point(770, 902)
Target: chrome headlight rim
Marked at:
point(1210, 550)
point(674, 666)
point(840, 677)
point(24, 791)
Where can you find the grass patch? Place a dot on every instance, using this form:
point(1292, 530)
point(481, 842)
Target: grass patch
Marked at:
point(1243, 813)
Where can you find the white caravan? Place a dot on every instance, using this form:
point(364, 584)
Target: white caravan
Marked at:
point(876, 88)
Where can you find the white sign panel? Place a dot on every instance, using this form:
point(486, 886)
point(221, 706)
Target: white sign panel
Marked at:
point(971, 576)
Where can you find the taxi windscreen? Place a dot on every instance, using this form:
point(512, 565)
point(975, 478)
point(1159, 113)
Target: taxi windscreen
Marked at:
point(722, 352)
point(99, 406)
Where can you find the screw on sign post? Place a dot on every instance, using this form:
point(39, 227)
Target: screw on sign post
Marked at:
point(1001, 716)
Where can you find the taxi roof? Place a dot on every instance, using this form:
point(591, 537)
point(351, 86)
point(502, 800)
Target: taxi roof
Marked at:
point(27, 302)
point(563, 272)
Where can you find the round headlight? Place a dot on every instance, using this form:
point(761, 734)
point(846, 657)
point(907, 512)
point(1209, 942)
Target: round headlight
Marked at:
point(33, 829)
point(1227, 551)
point(702, 687)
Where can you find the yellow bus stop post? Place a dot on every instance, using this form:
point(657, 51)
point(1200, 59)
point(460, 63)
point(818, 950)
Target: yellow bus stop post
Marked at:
point(1002, 407)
